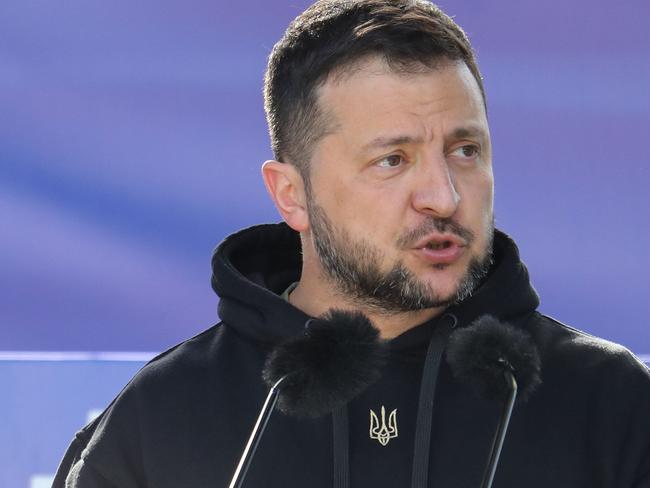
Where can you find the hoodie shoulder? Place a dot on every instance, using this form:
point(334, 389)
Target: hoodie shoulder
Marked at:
point(573, 347)
point(194, 353)
point(600, 392)
point(604, 379)
point(108, 451)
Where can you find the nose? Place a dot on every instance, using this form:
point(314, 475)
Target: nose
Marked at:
point(435, 191)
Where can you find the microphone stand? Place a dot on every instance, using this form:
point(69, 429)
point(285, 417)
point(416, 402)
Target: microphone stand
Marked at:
point(256, 435)
point(502, 428)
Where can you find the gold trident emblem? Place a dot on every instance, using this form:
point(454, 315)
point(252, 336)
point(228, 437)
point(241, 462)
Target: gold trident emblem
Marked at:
point(383, 433)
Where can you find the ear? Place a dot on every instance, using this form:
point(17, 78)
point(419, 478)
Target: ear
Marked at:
point(287, 190)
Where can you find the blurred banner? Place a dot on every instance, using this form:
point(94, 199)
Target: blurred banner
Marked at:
point(46, 399)
point(131, 137)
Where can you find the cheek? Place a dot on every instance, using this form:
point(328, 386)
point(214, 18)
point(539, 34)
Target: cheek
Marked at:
point(476, 207)
point(371, 216)
point(483, 182)
point(476, 190)
point(487, 204)
point(489, 192)
point(488, 195)
point(359, 201)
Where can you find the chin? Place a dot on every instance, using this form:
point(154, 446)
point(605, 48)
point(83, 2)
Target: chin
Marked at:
point(444, 281)
point(444, 292)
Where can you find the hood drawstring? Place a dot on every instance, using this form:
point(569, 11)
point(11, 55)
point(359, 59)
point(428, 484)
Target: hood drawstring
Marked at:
point(430, 369)
point(421, 451)
point(341, 446)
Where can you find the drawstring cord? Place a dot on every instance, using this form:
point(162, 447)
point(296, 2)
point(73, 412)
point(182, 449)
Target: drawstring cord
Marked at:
point(421, 451)
point(340, 425)
point(341, 446)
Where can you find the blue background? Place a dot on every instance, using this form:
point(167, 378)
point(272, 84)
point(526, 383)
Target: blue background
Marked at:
point(131, 137)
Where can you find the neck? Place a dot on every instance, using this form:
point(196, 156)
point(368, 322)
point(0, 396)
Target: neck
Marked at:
point(314, 297)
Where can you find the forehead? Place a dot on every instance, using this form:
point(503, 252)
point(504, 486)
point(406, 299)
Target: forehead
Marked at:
point(372, 95)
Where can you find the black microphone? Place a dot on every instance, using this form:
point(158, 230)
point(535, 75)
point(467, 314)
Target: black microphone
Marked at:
point(499, 361)
point(337, 357)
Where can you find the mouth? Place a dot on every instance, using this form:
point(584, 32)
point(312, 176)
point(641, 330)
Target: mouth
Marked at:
point(440, 249)
point(440, 241)
point(437, 245)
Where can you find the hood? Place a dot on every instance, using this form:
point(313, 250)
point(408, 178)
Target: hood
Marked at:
point(252, 268)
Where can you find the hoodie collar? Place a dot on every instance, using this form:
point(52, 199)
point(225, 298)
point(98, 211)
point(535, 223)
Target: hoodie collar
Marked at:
point(252, 268)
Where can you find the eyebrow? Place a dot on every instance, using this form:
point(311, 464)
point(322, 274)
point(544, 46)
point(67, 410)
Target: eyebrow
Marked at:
point(471, 131)
point(381, 142)
point(458, 133)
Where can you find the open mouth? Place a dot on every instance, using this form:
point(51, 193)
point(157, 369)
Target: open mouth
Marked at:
point(439, 249)
point(437, 245)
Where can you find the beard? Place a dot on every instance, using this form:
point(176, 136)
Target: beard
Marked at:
point(353, 266)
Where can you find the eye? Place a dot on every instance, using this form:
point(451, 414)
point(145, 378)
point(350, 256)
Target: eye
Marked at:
point(392, 161)
point(468, 151)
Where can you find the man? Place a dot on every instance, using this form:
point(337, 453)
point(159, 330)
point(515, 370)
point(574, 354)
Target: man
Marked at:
point(383, 177)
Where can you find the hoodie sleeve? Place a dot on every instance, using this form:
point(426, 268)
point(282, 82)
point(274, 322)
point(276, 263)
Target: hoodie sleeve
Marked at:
point(643, 483)
point(83, 475)
point(106, 453)
point(643, 480)
point(638, 432)
point(73, 453)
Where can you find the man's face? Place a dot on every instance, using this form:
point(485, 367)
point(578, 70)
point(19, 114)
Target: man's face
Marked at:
point(400, 193)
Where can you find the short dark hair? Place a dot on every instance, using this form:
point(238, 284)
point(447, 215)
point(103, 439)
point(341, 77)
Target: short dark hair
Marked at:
point(333, 35)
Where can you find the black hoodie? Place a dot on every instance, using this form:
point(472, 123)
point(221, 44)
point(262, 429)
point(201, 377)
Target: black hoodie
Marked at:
point(185, 417)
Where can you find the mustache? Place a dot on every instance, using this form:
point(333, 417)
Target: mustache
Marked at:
point(441, 226)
